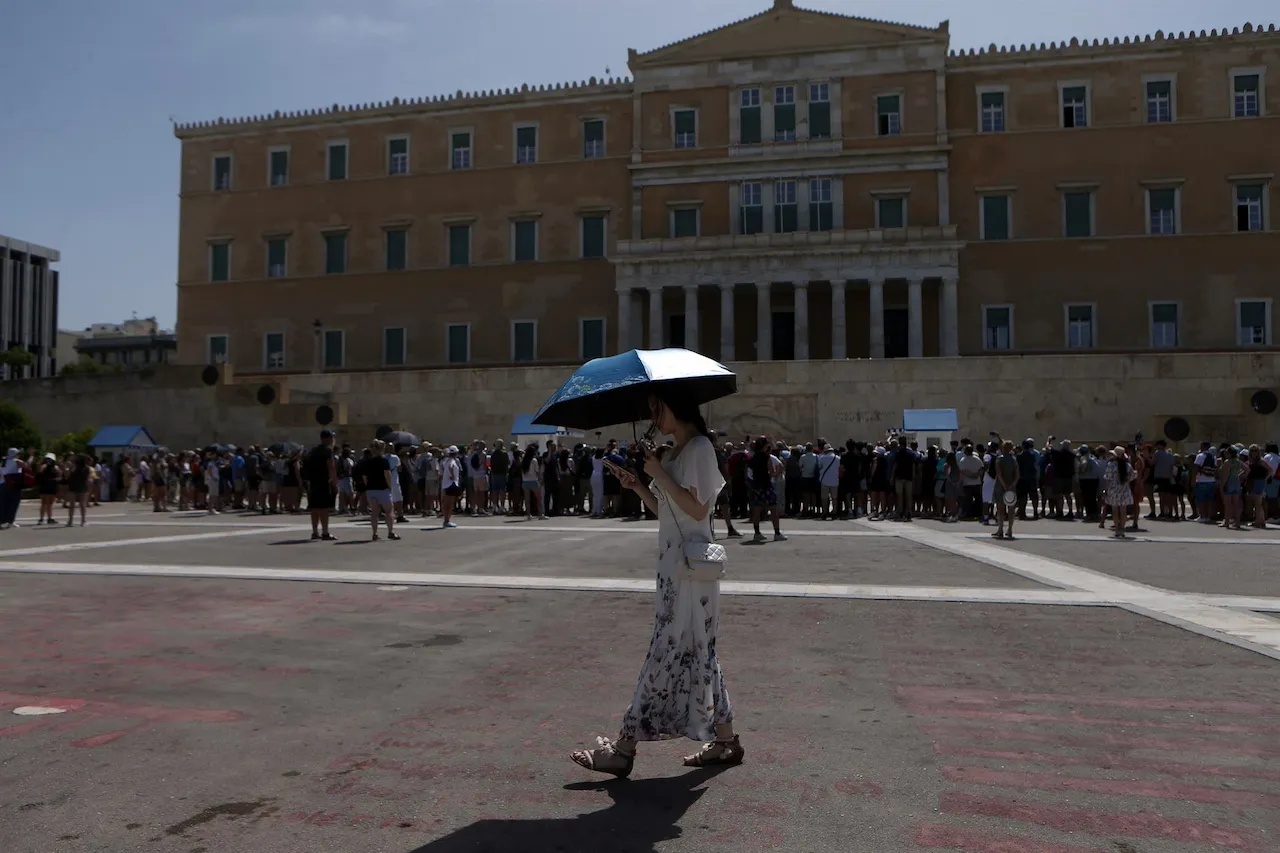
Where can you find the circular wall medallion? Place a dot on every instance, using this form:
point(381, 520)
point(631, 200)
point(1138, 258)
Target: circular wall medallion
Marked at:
point(209, 376)
point(1263, 402)
point(324, 415)
point(266, 395)
point(1177, 429)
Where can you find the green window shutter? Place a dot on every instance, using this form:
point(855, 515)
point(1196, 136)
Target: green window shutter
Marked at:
point(393, 347)
point(526, 241)
point(820, 120)
point(459, 245)
point(397, 249)
point(335, 253)
point(1078, 211)
point(995, 217)
point(593, 237)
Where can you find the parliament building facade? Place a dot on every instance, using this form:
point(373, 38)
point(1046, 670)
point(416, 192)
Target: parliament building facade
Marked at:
point(795, 185)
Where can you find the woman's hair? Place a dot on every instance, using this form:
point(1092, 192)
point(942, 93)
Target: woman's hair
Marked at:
point(530, 454)
point(760, 462)
point(379, 446)
point(683, 408)
point(1122, 465)
point(599, 453)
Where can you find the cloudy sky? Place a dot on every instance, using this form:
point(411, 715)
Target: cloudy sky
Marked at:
point(89, 165)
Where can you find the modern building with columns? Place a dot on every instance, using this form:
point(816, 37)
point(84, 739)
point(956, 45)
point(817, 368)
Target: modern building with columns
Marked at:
point(28, 306)
point(793, 185)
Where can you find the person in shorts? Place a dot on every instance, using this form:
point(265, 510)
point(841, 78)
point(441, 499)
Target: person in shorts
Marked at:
point(346, 491)
point(322, 486)
point(380, 482)
point(451, 484)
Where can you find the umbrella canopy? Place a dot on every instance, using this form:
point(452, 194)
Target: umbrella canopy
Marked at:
point(284, 448)
point(400, 438)
point(219, 448)
point(616, 389)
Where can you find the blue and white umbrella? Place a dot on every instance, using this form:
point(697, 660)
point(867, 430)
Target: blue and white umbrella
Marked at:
point(615, 390)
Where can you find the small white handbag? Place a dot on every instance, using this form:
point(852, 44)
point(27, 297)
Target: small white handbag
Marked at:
point(706, 561)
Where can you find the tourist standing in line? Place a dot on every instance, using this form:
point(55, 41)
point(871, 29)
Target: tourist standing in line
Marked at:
point(681, 690)
point(1231, 480)
point(499, 467)
point(532, 479)
point(381, 481)
point(212, 483)
point(478, 480)
point(78, 482)
point(451, 484)
point(1118, 483)
point(762, 469)
point(1007, 473)
point(159, 477)
point(47, 485)
point(1205, 472)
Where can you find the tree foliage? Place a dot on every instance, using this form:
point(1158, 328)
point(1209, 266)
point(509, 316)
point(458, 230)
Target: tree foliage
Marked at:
point(72, 442)
point(17, 429)
point(17, 358)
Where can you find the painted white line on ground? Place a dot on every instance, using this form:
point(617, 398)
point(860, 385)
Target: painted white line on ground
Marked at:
point(467, 526)
point(394, 580)
point(1244, 602)
point(94, 522)
point(1237, 627)
point(149, 540)
point(1136, 537)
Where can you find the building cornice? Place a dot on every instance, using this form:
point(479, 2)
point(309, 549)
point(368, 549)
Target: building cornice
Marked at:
point(1107, 48)
point(524, 96)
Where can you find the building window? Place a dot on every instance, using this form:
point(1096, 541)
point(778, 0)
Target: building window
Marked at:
point(1249, 207)
point(821, 209)
point(393, 347)
point(1162, 211)
point(749, 117)
point(277, 257)
point(784, 113)
point(685, 123)
point(397, 254)
point(335, 253)
point(997, 327)
point(786, 210)
point(1077, 214)
point(593, 231)
point(1164, 325)
point(1075, 105)
point(991, 105)
point(459, 245)
point(995, 217)
point(592, 138)
point(460, 145)
point(458, 342)
point(398, 155)
point(1080, 329)
point(273, 351)
point(336, 153)
point(684, 222)
point(1253, 320)
point(1159, 101)
point(222, 172)
point(216, 349)
point(819, 110)
point(751, 209)
point(591, 338)
point(335, 344)
point(527, 144)
point(524, 340)
point(1247, 92)
point(279, 159)
point(219, 261)
point(891, 212)
point(525, 240)
point(889, 115)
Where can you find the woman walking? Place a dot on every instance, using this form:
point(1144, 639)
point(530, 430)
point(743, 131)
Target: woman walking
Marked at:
point(761, 469)
point(681, 691)
point(1117, 482)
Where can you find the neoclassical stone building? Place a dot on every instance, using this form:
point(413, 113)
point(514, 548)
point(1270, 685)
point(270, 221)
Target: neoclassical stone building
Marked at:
point(795, 185)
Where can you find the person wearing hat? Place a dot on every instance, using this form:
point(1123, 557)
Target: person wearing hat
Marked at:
point(1118, 486)
point(47, 485)
point(450, 484)
point(1006, 490)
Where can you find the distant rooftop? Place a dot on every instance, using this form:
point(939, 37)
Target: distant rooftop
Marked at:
point(13, 244)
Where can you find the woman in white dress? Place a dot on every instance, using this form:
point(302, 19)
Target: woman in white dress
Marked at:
point(681, 690)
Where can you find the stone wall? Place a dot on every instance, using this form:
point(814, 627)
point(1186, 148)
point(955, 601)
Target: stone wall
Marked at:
point(1084, 397)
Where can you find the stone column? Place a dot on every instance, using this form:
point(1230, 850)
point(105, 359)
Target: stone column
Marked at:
point(764, 323)
point(691, 317)
point(802, 320)
point(915, 318)
point(948, 317)
point(624, 320)
point(655, 316)
point(726, 322)
point(877, 318)
point(839, 339)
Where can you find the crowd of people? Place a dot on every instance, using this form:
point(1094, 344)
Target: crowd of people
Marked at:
point(992, 482)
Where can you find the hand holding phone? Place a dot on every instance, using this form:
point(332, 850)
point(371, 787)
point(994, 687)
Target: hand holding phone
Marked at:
point(627, 479)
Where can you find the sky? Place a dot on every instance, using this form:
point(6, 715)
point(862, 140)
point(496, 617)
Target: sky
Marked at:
point(89, 164)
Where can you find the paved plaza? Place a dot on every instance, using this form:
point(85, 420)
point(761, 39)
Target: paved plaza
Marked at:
point(205, 684)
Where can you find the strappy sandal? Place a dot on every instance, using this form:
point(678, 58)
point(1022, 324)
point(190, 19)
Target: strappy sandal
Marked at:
point(726, 752)
point(605, 758)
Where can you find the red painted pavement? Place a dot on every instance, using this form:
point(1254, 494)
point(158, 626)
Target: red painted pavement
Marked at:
point(1121, 788)
point(938, 836)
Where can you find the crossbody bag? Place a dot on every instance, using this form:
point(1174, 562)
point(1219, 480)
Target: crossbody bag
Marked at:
point(705, 561)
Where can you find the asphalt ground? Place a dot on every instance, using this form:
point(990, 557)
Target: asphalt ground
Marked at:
point(207, 715)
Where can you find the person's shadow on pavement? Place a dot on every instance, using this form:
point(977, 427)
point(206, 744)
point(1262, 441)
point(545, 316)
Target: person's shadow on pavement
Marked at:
point(644, 812)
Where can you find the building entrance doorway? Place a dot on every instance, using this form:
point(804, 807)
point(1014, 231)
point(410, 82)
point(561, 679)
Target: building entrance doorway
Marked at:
point(895, 333)
point(784, 335)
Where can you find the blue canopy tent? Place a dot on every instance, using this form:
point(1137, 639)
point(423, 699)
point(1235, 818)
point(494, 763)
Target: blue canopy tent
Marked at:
point(122, 440)
point(523, 427)
point(930, 426)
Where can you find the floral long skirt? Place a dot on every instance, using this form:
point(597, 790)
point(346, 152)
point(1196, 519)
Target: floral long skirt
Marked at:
point(681, 690)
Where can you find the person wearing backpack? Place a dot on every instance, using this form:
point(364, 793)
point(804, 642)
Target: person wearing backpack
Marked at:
point(322, 486)
point(1204, 471)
